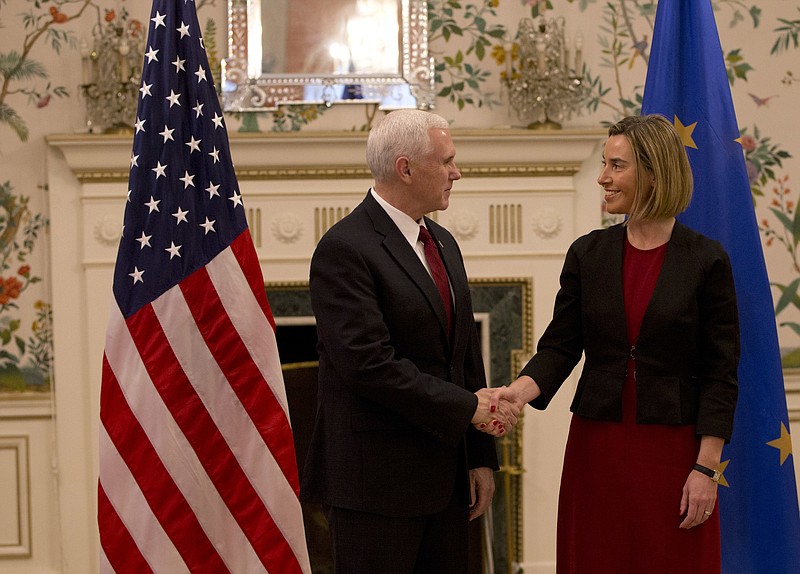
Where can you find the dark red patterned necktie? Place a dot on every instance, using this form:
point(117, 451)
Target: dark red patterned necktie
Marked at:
point(438, 272)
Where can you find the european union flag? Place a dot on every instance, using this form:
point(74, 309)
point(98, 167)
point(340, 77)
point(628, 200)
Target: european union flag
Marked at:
point(687, 83)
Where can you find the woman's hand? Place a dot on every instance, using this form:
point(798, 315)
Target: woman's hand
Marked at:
point(699, 499)
point(496, 419)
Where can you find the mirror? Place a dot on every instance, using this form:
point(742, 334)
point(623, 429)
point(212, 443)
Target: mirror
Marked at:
point(327, 52)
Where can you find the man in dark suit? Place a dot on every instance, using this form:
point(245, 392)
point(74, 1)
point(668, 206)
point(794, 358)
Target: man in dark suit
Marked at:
point(396, 456)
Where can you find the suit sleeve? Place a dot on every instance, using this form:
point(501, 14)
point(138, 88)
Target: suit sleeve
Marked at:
point(719, 352)
point(561, 346)
point(356, 343)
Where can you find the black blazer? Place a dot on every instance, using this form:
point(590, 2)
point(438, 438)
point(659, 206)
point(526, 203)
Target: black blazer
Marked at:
point(392, 434)
point(688, 348)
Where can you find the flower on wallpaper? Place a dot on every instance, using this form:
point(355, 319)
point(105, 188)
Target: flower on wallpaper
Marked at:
point(761, 158)
point(501, 55)
point(43, 101)
point(537, 5)
point(24, 363)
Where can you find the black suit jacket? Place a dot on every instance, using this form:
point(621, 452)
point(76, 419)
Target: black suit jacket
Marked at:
point(392, 433)
point(688, 348)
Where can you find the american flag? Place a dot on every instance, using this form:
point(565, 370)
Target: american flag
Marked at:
point(197, 463)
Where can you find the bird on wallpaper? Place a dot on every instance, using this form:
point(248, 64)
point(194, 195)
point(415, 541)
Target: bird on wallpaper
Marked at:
point(58, 16)
point(638, 50)
point(761, 101)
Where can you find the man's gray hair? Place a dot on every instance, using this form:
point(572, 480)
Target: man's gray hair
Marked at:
point(400, 133)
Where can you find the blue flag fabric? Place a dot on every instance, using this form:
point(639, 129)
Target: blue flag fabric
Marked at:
point(687, 82)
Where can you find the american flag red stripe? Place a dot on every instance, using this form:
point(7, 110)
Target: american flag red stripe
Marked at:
point(231, 354)
point(153, 479)
point(111, 525)
point(197, 463)
point(248, 261)
point(203, 407)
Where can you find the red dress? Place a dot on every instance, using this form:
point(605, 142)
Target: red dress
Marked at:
point(618, 509)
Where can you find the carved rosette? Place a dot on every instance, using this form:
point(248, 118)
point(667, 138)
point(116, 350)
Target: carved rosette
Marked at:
point(547, 222)
point(287, 228)
point(463, 225)
point(107, 231)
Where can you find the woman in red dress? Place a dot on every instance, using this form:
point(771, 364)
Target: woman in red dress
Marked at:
point(652, 306)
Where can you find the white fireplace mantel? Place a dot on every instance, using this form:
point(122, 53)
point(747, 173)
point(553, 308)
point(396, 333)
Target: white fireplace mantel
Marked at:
point(523, 198)
point(297, 154)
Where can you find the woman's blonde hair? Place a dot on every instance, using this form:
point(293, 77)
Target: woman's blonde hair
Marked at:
point(659, 154)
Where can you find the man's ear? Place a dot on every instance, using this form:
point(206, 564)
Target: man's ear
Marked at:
point(403, 168)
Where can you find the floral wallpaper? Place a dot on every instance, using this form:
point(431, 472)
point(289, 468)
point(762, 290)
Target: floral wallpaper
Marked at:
point(40, 93)
point(38, 37)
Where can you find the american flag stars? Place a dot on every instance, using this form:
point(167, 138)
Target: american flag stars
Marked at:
point(208, 225)
point(212, 190)
point(185, 187)
point(167, 133)
point(161, 170)
point(151, 55)
point(153, 205)
point(173, 250)
point(173, 98)
point(194, 145)
point(144, 240)
point(159, 20)
point(178, 63)
point(180, 216)
point(187, 179)
point(137, 275)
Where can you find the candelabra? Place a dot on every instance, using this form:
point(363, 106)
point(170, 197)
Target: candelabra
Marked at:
point(111, 73)
point(547, 85)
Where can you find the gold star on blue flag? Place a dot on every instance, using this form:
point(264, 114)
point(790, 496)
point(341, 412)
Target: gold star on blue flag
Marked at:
point(687, 82)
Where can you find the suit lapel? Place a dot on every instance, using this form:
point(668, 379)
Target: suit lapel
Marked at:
point(405, 256)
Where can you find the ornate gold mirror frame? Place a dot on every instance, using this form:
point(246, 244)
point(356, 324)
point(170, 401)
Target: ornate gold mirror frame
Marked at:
point(246, 88)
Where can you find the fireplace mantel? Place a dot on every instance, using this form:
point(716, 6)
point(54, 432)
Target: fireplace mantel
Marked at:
point(523, 198)
point(327, 155)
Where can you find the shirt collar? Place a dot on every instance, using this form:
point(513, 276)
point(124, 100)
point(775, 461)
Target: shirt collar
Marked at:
point(406, 224)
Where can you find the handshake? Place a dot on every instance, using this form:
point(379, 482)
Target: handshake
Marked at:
point(499, 407)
